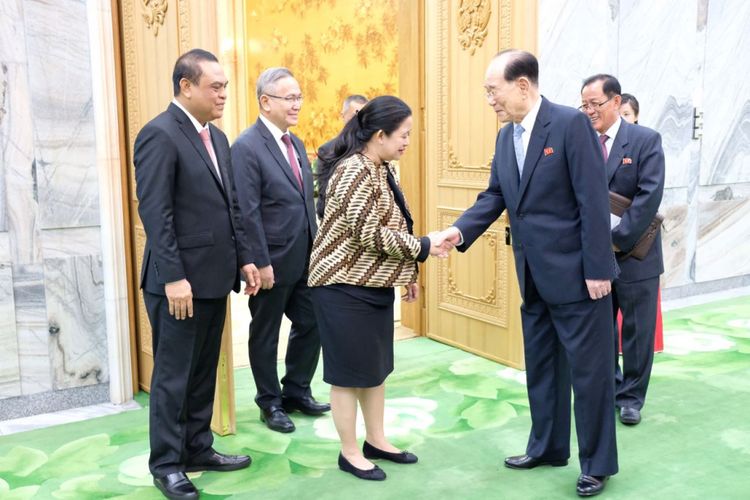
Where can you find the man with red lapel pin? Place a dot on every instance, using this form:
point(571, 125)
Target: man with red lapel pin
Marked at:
point(548, 173)
point(635, 169)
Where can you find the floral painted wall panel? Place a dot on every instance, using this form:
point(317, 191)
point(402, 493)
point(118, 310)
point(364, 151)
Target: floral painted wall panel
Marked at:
point(335, 48)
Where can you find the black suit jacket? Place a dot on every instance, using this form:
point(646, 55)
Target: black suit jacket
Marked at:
point(279, 217)
point(191, 218)
point(324, 171)
point(558, 209)
point(635, 169)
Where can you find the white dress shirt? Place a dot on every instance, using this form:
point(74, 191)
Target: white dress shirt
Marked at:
point(528, 124)
point(277, 133)
point(611, 134)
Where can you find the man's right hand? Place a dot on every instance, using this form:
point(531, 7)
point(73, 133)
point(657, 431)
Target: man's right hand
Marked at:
point(180, 297)
point(266, 277)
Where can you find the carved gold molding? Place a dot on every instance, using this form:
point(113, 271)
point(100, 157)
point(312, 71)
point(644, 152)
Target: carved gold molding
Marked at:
point(504, 24)
point(451, 170)
point(492, 305)
point(183, 22)
point(489, 297)
point(455, 164)
point(472, 19)
point(156, 11)
point(132, 98)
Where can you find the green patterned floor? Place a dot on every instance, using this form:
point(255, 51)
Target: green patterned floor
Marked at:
point(461, 414)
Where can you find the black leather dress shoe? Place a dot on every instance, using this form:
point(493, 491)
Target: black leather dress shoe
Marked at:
point(374, 474)
point(402, 457)
point(218, 462)
point(306, 405)
point(176, 486)
point(630, 416)
point(276, 419)
point(527, 462)
point(588, 486)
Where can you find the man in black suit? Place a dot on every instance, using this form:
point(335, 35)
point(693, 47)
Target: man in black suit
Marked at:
point(635, 169)
point(275, 188)
point(195, 249)
point(324, 169)
point(549, 174)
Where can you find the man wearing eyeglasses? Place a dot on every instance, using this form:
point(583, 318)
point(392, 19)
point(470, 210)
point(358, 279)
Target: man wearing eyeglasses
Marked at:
point(275, 192)
point(548, 174)
point(635, 169)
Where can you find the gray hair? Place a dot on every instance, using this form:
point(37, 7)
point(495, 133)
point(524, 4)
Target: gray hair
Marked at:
point(269, 78)
point(354, 98)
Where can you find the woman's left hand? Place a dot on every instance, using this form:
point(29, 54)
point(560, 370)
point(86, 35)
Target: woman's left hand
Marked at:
point(412, 292)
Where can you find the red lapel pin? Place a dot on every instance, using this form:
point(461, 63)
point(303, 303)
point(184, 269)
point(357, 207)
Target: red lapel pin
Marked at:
point(548, 151)
point(627, 161)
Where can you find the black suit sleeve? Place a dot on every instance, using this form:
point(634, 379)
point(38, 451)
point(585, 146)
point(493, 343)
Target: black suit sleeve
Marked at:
point(647, 198)
point(155, 159)
point(244, 243)
point(248, 179)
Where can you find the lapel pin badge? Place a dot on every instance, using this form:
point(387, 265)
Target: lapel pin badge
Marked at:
point(627, 161)
point(548, 151)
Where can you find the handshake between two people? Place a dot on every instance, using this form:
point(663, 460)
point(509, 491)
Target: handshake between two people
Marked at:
point(442, 242)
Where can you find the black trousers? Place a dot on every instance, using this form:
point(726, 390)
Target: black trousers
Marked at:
point(638, 303)
point(186, 354)
point(303, 350)
point(567, 345)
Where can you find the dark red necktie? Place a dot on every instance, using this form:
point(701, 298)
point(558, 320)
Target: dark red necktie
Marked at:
point(292, 158)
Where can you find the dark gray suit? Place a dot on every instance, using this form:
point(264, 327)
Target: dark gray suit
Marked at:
point(280, 220)
point(635, 169)
point(193, 232)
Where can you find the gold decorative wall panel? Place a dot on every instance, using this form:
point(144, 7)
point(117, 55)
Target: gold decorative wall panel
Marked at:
point(473, 17)
point(154, 13)
point(335, 48)
point(473, 298)
point(479, 293)
point(147, 62)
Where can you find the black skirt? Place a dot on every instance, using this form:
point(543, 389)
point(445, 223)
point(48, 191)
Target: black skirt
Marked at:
point(356, 333)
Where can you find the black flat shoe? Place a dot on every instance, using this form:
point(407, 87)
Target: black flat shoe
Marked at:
point(402, 457)
point(218, 462)
point(176, 486)
point(588, 486)
point(527, 462)
point(276, 419)
point(630, 416)
point(306, 405)
point(374, 474)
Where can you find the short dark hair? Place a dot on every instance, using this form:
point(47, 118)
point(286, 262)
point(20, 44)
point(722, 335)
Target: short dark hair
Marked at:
point(520, 63)
point(188, 67)
point(630, 99)
point(610, 84)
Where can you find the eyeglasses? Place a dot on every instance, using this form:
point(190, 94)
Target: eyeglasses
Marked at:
point(489, 93)
point(594, 105)
point(290, 99)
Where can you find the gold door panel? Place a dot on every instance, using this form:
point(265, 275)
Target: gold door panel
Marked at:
point(473, 298)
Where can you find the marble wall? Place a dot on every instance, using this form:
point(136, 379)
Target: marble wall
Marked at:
point(52, 313)
point(674, 56)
